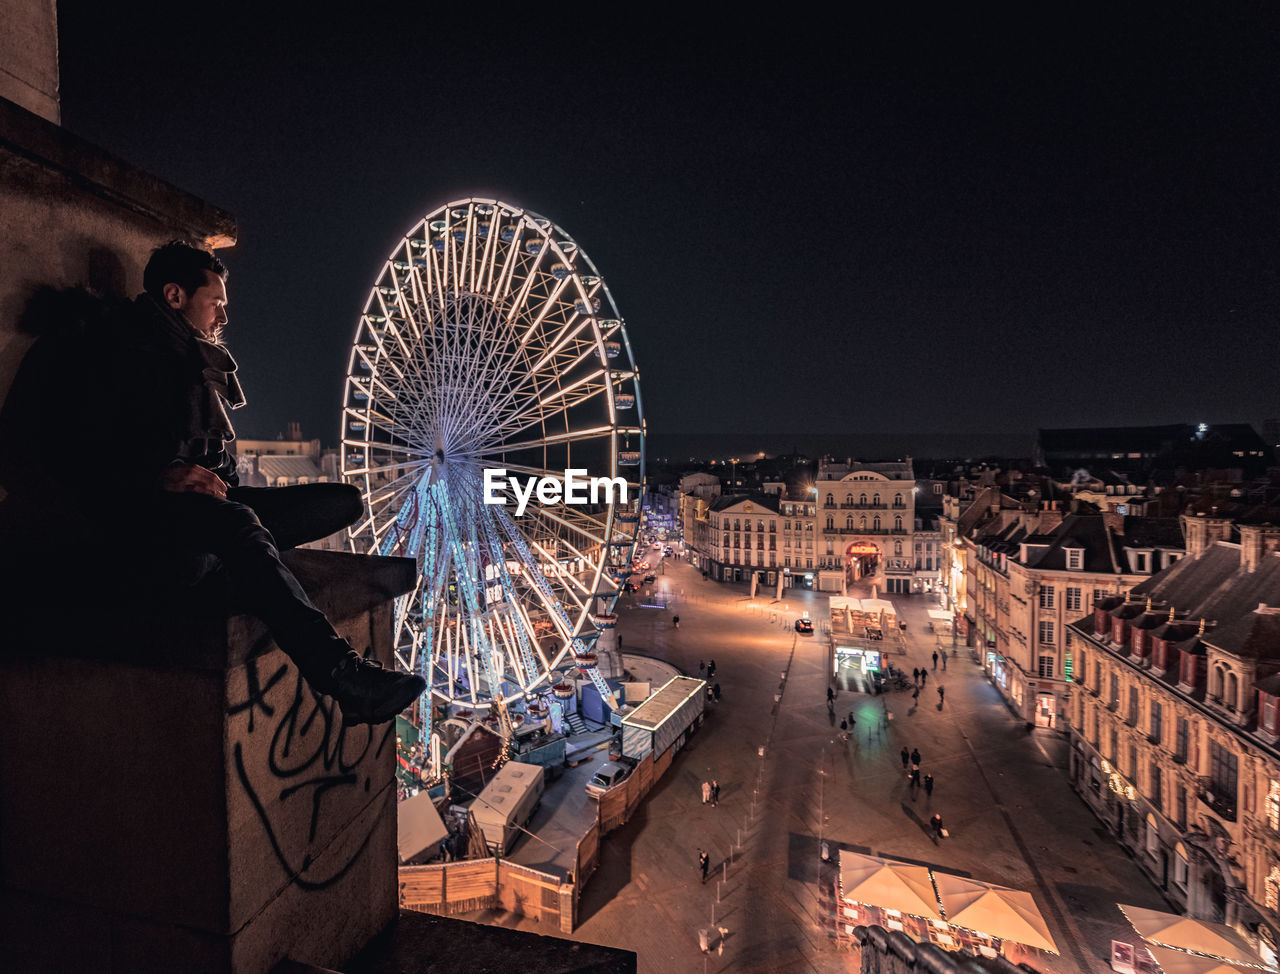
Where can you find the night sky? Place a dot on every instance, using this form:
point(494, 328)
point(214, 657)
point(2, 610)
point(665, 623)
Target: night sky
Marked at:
point(983, 222)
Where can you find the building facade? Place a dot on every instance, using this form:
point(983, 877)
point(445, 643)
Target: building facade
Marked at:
point(1174, 708)
point(865, 524)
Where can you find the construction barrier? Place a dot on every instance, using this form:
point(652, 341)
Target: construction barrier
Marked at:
point(454, 888)
point(464, 886)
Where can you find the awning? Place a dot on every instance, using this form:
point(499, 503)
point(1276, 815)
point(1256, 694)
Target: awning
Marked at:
point(997, 911)
point(888, 884)
point(1171, 930)
point(1179, 962)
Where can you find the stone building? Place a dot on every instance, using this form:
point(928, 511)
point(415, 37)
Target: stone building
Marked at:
point(1027, 573)
point(865, 524)
point(1175, 733)
point(695, 495)
point(745, 535)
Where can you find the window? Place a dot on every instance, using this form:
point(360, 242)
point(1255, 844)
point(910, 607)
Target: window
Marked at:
point(848, 522)
point(831, 500)
point(1099, 593)
point(1157, 786)
point(1273, 805)
point(862, 500)
point(831, 523)
point(897, 522)
point(1114, 698)
point(1133, 706)
point(1047, 666)
point(1084, 666)
point(1046, 632)
point(1111, 752)
point(1180, 851)
point(1046, 596)
point(1153, 837)
point(1157, 722)
point(1133, 762)
point(875, 524)
point(1272, 886)
point(1180, 742)
point(1075, 559)
point(1074, 599)
point(786, 562)
point(1223, 775)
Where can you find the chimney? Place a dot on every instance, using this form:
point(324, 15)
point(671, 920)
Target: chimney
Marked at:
point(295, 431)
point(1256, 541)
point(1201, 531)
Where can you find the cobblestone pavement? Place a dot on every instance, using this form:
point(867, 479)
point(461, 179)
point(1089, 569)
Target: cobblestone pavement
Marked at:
point(788, 782)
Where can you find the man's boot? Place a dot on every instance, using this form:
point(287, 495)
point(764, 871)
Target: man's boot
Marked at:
point(369, 694)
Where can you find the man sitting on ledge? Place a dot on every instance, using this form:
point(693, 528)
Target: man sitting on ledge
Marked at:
point(158, 366)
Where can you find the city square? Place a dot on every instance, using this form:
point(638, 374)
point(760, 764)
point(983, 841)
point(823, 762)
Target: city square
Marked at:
point(718, 494)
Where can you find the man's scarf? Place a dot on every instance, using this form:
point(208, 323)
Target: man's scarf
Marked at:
point(207, 425)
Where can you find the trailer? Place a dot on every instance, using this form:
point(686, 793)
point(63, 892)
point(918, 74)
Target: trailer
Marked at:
point(665, 720)
point(507, 803)
point(539, 746)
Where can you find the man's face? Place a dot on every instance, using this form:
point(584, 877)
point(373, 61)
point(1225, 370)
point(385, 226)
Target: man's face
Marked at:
point(206, 309)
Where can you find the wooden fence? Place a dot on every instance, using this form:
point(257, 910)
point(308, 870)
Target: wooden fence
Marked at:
point(453, 888)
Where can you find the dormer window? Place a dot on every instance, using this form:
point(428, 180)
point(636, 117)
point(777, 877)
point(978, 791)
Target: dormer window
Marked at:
point(1075, 559)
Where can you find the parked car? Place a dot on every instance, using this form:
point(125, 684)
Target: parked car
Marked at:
point(805, 626)
point(607, 778)
point(651, 577)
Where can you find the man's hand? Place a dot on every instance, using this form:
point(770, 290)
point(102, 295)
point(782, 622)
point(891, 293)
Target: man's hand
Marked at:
point(189, 478)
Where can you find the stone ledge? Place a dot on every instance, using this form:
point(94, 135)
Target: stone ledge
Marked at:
point(45, 146)
point(88, 619)
point(419, 943)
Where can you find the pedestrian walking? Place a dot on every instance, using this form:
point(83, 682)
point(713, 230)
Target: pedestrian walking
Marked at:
point(924, 677)
point(915, 674)
point(942, 695)
point(906, 758)
point(944, 660)
point(915, 755)
point(936, 824)
point(675, 621)
point(711, 668)
point(701, 667)
point(915, 776)
point(715, 793)
point(704, 863)
point(915, 694)
point(844, 724)
point(706, 792)
point(831, 695)
point(716, 691)
point(928, 785)
point(935, 659)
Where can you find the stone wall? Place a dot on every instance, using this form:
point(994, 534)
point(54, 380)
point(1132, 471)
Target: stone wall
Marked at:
point(29, 56)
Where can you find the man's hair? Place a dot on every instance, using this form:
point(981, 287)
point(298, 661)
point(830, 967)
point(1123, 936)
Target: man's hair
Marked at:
point(181, 263)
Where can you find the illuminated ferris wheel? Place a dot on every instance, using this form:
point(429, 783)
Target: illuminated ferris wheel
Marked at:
point(491, 343)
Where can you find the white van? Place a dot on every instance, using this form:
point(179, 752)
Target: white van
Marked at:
point(607, 777)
